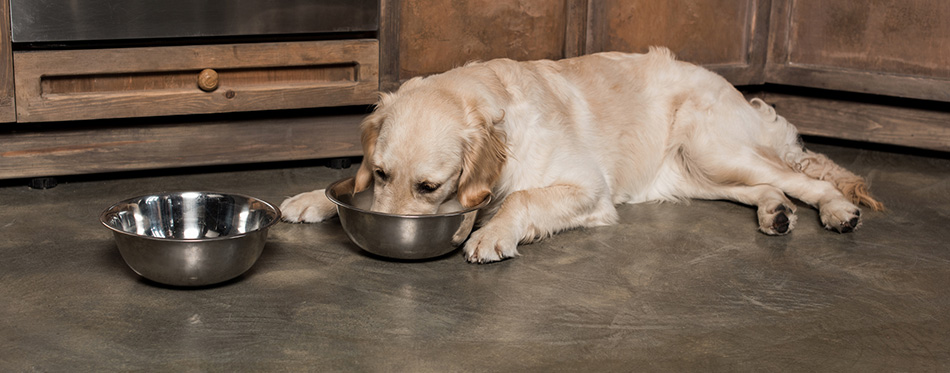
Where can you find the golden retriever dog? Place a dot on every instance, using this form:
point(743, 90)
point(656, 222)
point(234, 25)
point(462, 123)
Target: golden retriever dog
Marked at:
point(558, 144)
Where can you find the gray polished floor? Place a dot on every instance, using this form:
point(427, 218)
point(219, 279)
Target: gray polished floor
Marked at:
point(689, 287)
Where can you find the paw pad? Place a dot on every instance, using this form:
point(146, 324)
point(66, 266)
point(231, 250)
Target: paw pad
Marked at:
point(779, 221)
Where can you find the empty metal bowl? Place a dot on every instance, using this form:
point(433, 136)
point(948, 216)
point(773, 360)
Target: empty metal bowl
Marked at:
point(190, 238)
point(399, 236)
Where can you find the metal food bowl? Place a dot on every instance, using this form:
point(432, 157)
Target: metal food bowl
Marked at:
point(190, 238)
point(399, 236)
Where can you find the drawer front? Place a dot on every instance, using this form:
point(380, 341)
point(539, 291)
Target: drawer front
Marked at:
point(138, 82)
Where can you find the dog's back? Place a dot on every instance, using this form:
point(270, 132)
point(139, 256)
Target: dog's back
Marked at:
point(659, 129)
point(621, 107)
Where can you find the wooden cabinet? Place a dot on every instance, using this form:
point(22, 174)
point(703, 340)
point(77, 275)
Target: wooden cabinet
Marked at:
point(137, 82)
point(62, 101)
point(888, 47)
point(894, 53)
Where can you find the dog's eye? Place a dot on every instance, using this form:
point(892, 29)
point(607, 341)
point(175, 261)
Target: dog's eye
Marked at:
point(380, 174)
point(427, 187)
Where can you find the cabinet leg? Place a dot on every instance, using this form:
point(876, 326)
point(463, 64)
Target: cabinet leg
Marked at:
point(339, 163)
point(42, 183)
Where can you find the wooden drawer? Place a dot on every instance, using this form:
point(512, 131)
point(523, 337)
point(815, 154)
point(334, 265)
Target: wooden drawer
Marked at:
point(136, 82)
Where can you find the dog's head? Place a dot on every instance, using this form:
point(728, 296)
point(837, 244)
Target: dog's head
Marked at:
point(428, 143)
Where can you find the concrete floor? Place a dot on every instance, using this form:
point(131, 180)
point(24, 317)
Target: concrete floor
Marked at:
point(691, 287)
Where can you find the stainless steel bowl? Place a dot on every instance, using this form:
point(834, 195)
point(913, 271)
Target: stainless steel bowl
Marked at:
point(190, 238)
point(399, 236)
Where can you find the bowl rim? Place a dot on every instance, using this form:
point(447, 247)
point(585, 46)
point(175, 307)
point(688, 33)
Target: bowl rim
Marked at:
point(406, 216)
point(109, 210)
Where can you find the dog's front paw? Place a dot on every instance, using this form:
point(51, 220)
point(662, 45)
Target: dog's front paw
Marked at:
point(491, 244)
point(840, 216)
point(310, 207)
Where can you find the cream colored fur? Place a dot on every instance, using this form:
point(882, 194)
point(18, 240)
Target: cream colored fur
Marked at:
point(559, 143)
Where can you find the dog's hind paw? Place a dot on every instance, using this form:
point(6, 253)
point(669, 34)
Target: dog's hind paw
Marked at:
point(841, 217)
point(778, 220)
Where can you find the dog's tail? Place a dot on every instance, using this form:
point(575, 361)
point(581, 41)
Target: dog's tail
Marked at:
point(819, 166)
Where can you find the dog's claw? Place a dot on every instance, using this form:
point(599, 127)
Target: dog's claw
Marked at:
point(848, 226)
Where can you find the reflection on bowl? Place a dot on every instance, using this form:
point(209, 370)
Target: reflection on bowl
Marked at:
point(190, 238)
point(400, 236)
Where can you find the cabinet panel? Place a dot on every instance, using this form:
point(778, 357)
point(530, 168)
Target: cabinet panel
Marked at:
point(920, 126)
point(891, 47)
point(438, 35)
point(7, 110)
point(727, 36)
point(134, 82)
point(167, 142)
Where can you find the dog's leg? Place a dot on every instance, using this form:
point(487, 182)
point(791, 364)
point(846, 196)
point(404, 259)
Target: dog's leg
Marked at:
point(836, 211)
point(775, 212)
point(818, 181)
point(309, 207)
point(532, 214)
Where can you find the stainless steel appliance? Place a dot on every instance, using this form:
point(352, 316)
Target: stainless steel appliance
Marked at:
point(54, 21)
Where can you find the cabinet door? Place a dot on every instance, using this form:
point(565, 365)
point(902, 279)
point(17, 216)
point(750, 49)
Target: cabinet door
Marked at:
point(890, 47)
point(432, 36)
point(727, 36)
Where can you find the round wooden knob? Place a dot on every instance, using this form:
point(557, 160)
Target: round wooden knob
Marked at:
point(208, 80)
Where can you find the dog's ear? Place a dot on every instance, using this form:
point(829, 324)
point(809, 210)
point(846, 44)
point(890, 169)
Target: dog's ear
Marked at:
point(369, 133)
point(484, 157)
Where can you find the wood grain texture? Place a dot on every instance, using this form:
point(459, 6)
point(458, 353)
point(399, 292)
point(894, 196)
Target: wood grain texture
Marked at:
point(862, 121)
point(699, 31)
point(389, 45)
point(132, 82)
point(50, 86)
point(890, 47)
point(726, 36)
point(438, 35)
point(887, 36)
point(137, 147)
point(575, 42)
point(7, 106)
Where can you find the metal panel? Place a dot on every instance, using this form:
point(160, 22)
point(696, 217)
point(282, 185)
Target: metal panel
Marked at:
point(91, 20)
